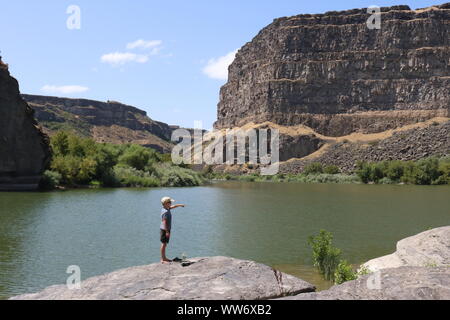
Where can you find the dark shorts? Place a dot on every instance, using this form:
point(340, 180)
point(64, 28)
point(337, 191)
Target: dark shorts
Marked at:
point(163, 237)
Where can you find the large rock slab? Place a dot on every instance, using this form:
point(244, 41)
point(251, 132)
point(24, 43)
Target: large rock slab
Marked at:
point(429, 248)
point(403, 283)
point(206, 279)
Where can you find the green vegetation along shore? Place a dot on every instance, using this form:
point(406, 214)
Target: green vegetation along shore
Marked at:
point(80, 162)
point(429, 171)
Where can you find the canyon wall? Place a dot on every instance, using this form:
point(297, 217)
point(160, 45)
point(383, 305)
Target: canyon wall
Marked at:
point(332, 73)
point(24, 148)
point(97, 113)
point(110, 121)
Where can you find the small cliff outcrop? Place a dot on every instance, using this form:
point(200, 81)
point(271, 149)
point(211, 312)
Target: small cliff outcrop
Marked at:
point(429, 248)
point(402, 283)
point(24, 148)
point(333, 74)
point(110, 121)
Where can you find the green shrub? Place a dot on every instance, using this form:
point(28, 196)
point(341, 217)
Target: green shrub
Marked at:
point(364, 171)
point(109, 179)
point(327, 178)
point(325, 257)
point(378, 170)
point(248, 178)
point(344, 272)
point(60, 144)
point(131, 177)
point(83, 161)
point(174, 176)
point(409, 173)
point(50, 180)
point(395, 170)
point(136, 157)
point(328, 260)
point(444, 172)
point(207, 170)
point(313, 168)
point(332, 169)
point(425, 171)
point(95, 184)
point(386, 180)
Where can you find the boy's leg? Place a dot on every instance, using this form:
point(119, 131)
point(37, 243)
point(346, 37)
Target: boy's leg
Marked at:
point(164, 242)
point(163, 252)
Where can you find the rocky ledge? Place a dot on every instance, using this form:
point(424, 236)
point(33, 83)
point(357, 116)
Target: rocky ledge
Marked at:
point(404, 283)
point(212, 278)
point(430, 248)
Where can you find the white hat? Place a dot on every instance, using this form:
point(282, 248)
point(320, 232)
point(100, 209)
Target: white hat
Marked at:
point(166, 199)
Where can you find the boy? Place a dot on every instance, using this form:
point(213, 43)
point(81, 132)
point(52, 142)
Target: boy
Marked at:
point(166, 225)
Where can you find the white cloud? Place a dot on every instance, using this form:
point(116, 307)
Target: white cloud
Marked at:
point(120, 58)
point(217, 68)
point(63, 89)
point(144, 44)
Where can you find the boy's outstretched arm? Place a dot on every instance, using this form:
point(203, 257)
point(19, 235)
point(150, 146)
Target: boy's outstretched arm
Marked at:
point(177, 206)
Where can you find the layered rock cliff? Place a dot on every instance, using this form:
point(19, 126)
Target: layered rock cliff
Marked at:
point(24, 148)
point(109, 121)
point(333, 74)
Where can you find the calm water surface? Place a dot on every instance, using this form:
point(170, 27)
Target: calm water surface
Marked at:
point(41, 234)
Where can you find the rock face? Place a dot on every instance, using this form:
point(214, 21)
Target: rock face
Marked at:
point(412, 144)
point(429, 248)
point(206, 279)
point(332, 73)
point(403, 283)
point(110, 121)
point(298, 146)
point(24, 149)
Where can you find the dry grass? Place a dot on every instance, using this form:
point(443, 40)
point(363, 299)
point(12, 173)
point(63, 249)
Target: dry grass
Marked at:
point(119, 135)
point(351, 138)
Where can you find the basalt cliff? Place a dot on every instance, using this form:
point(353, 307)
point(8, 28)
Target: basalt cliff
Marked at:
point(24, 148)
point(330, 77)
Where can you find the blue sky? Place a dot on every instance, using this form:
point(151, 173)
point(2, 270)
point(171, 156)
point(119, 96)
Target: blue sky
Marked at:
point(175, 71)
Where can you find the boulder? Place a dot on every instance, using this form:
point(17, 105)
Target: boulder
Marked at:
point(212, 278)
point(429, 248)
point(403, 283)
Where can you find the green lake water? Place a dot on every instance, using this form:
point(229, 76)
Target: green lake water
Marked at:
point(102, 230)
